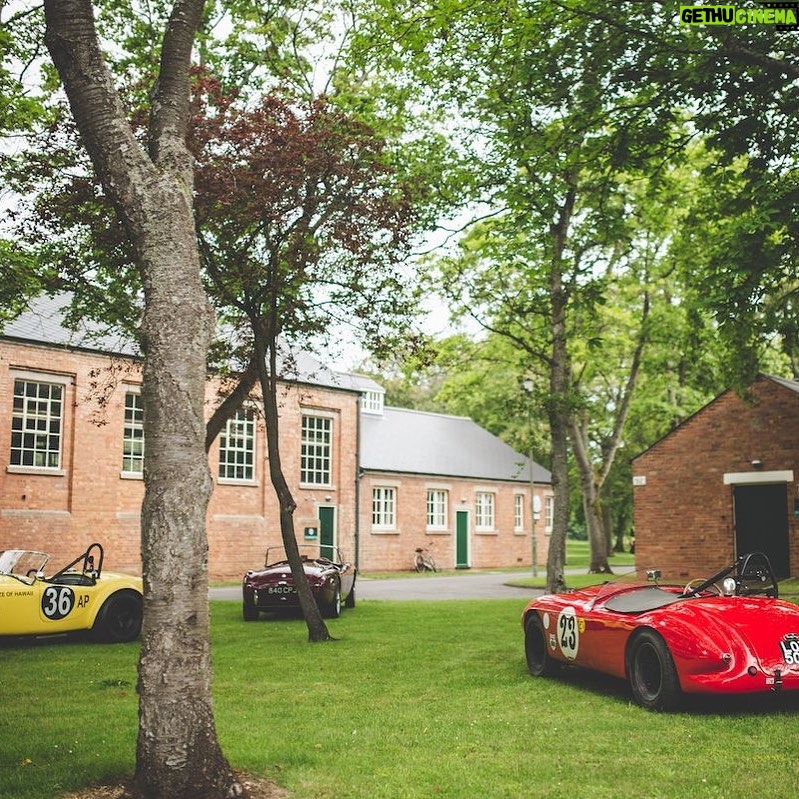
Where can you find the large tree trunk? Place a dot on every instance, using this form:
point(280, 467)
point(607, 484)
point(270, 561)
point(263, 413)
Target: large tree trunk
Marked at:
point(559, 402)
point(557, 412)
point(178, 754)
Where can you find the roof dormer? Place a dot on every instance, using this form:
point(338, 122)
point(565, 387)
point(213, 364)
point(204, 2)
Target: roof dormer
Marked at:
point(372, 401)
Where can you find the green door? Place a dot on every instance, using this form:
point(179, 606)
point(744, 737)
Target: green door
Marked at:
point(462, 539)
point(327, 532)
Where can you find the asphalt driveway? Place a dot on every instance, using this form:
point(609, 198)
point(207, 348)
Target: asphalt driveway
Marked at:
point(477, 585)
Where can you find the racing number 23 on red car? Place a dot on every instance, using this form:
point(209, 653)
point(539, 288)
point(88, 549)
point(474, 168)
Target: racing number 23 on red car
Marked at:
point(568, 633)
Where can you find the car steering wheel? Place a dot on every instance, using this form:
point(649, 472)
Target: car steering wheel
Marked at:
point(689, 587)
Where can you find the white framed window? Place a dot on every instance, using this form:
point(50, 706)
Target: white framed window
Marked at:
point(316, 450)
point(518, 512)
point(549, 512)
point(237, 447)
point(37, 424)
point(484, 510)
point(384, 507)
point(437, 503)
point(372, 401)
point(133, 434)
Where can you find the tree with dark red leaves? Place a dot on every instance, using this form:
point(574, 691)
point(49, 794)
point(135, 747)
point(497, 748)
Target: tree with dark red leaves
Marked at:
point(302, 225)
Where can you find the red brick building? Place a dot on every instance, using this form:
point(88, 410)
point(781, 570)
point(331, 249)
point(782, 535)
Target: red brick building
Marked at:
point(445, 484)
point(73, 448)
point(78, 478)
point(725, 482)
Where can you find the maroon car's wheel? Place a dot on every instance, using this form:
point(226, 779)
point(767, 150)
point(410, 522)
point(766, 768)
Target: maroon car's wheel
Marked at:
point(653, 676)
point(539, 661)
point(332, 610)
point(249, 612)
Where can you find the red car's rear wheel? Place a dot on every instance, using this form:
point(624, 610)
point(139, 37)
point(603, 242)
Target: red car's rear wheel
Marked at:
point(652, 674)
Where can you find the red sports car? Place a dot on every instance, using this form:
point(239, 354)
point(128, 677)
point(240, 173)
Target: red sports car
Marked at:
point(724, 634)
point(331, 578)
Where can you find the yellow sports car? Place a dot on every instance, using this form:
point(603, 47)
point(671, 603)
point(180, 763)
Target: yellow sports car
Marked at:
point(78, 597)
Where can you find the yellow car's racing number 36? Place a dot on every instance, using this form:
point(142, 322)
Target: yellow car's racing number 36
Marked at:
point(58, 602)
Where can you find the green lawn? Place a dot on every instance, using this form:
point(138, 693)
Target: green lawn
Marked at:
point(578, 556)
point(414, 700)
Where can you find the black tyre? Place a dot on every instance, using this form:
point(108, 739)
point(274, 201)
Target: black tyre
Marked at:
point(539, 661)
point(349, 602)
point(249, 612)
point(119, 619)
point(652, 674)
point(332, 610)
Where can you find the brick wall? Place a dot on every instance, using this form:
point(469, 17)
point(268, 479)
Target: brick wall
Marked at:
point(88, 499)
point(684, 515)
point(394, 549)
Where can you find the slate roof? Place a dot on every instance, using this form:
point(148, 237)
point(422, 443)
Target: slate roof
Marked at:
point(791, 385)
point(400, 440)
point(415, 442)
point(308, 369)
point(42, 323)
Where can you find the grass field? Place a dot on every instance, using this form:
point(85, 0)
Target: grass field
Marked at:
point(415, 700)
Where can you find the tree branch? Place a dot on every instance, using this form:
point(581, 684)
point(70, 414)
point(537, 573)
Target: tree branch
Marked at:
point(170, 106)
point(71, 38)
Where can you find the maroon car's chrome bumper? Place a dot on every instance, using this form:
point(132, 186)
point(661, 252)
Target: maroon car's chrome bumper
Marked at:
point(284, 594)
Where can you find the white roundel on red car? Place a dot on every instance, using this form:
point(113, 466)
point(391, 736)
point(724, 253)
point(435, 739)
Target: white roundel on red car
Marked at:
point(568, 633)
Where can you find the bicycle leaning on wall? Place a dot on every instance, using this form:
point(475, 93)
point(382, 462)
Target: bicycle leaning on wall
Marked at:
point(424, 561)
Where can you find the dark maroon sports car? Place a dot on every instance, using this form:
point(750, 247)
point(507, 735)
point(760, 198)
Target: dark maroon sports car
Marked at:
point(331, 578)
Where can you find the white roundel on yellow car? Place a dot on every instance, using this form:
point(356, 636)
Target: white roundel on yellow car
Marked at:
point(57, 602)
point(568, 633)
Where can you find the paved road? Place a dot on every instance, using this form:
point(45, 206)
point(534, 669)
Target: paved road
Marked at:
point(477, 585)
point(466, 585)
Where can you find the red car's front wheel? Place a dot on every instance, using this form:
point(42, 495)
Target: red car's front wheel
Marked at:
point(539, 661)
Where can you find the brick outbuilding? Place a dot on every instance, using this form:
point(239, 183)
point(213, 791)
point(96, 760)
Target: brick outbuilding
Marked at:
point(723, 483)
